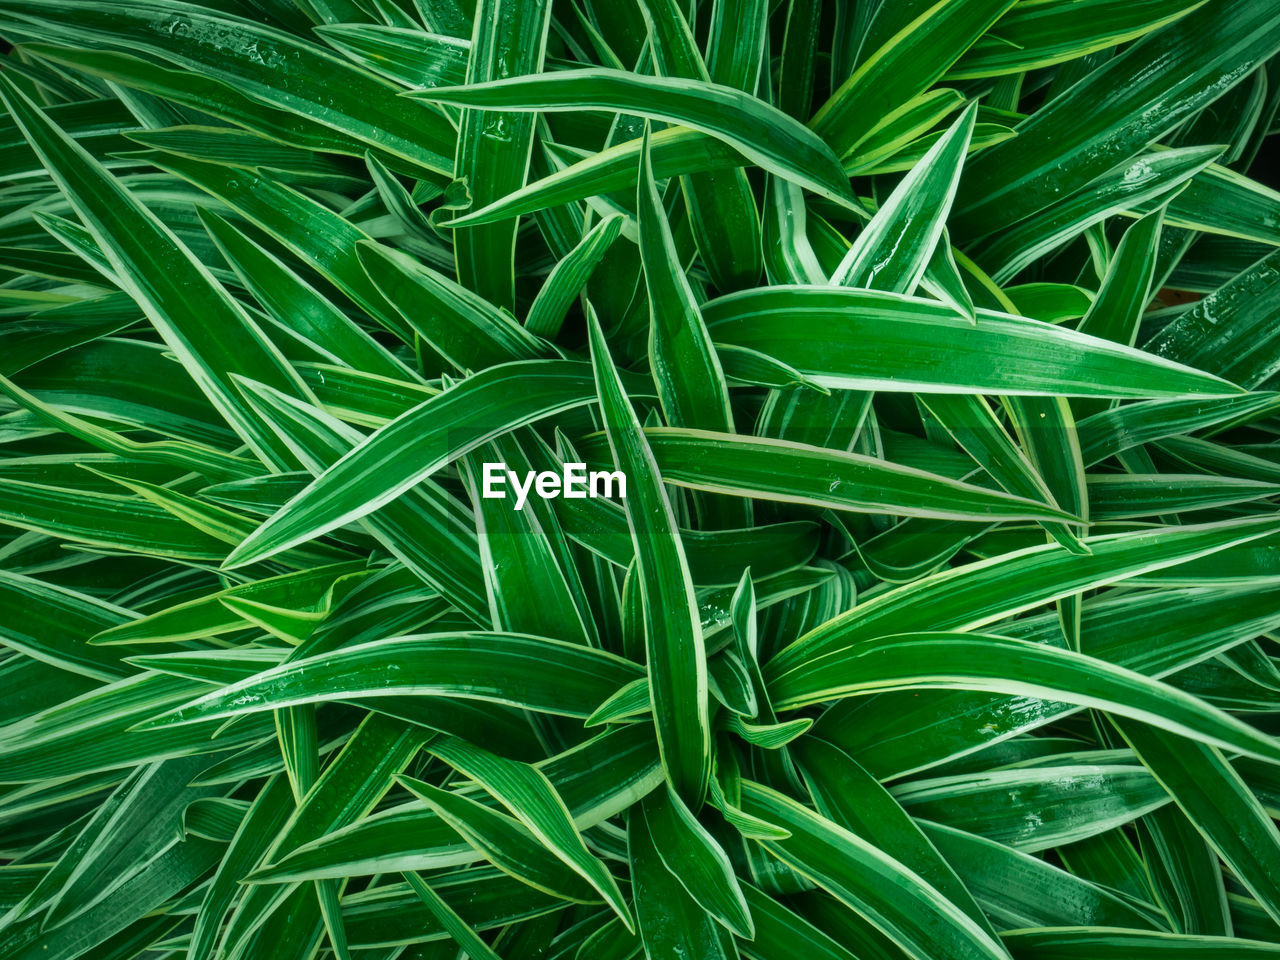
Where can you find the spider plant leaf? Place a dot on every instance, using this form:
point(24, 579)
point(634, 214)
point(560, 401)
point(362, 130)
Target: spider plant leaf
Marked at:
point(908, 910)
point(1103, 121)
point(911, 335)
point(176, 291)
point(894, 249)
point(948, 661)
point(495, 667)
point(675, 649)
point(1218, 803)
point(763, 134)
point(323, 86)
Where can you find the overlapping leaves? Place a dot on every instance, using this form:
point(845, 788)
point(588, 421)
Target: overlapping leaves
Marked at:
point(934, 342)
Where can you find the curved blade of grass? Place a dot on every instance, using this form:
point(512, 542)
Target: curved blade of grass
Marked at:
point(596, 780)
point(263, 821)
point(893, 251)
point(1185, 873)
point(1218, 803)
point(206, 616)
point(1227, 331)
point(527, 793)
point(972, 424)
point(92, 732)
point(898, 902)
point(1046, 429)
point(105, 520)
point(1125, 496)
point(305, 227)
point(529, 672)
point(195, 90)
point(458, 929)
point(208, 331)
point(970, 596)
point(867, 340)
point(416, 444)
point(674, 644)
point(1006, 665)
point(898, 733)
point(1110, 432)
point(763, 134)
point(49, 623)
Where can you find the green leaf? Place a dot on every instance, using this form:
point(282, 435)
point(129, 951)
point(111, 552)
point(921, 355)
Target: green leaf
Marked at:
point(685, 367)
point(674, 646)
point(863, 340)
point(791, 472)
point(905, 66)
point(763, 134)
point(505, 841)
point(418, 443)
point(1117, 110)
point(568, 278)
point(509, 40)
point(470, 332)
point(907, 909)
point(1035, 35)
point(1226, 332)
point(673, 151)
point(320, 85)
point(1148, 177)
point(458, 929)
point(1106, 944)
point(670, 922)
point(694, 858)
point(495, 667)
point(1022, 891)
point(968, 661)
point(208, 331)
point(208, 616)
point(1218, 804)
point(968, 597)
point(407, 56)
point(527, 793)
point(894, 249)
point(1036, 808)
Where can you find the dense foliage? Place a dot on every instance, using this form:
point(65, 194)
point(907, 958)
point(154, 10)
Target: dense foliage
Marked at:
point(936, 342)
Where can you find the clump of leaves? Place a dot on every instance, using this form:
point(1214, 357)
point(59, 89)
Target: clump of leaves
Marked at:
point(936, 344)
